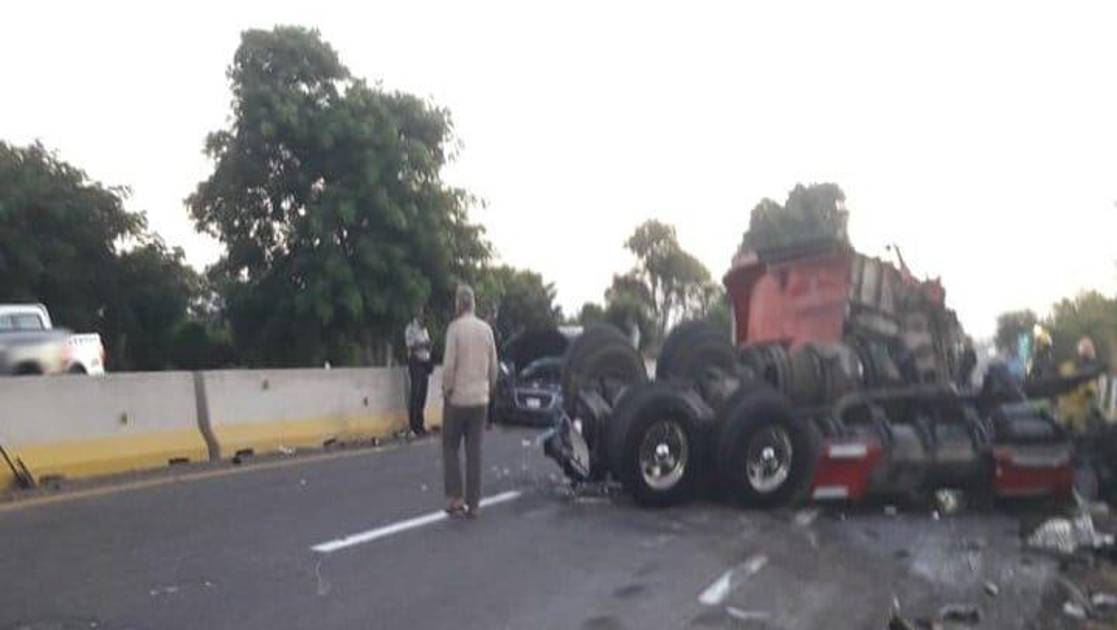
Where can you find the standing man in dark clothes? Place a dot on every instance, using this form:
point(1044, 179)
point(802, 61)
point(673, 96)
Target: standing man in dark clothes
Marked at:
point(418, 342)
point(469, 370)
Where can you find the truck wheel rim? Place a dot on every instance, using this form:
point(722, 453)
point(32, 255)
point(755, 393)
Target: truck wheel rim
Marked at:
point(664, 452)
point(768, 462)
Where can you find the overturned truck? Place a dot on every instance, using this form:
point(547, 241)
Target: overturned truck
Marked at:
point(846, 377)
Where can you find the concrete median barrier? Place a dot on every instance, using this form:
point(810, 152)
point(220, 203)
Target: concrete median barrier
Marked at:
point(260, 411)
point(72, 426)
point(76, 426)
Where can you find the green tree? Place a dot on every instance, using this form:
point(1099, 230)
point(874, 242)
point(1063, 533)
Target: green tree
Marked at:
point(1089, 314)
point(813, 212)
point(60, 236)
point(156, 288)
point(68, 242)
point(515, 300)
point(1010, 326)
point(328, 197)
point(629, 306)
point(591, 313)
point(671, 276)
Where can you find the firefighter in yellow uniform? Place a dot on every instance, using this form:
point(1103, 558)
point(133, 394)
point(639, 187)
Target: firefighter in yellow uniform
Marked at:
point(1078, 408)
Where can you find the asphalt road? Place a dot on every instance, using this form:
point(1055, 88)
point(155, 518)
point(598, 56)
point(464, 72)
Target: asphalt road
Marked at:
point(235, 551)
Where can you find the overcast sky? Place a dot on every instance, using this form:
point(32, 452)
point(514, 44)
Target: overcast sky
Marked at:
point(981, 137)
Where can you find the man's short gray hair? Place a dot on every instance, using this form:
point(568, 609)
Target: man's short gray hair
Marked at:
point(464, 299)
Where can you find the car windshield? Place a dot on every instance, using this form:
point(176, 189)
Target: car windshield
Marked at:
point(20, 322)
point(545, 369)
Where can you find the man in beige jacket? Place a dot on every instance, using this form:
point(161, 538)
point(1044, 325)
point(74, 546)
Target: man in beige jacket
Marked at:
point(469, 369)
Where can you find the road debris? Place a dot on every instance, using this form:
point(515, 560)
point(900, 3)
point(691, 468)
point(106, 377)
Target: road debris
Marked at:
point(715, 593)
point(890, 510)
point(966, 614)
point(897, 622)
point(1067, 536)
point(949, 501)
point(1104, 602)
point(804, 518)
point(1075, 610)
point(992, 589)
point(163, 590)
point(285, 450)
point(748, 615)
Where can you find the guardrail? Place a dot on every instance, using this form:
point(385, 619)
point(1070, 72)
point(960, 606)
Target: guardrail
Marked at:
point(76, 426)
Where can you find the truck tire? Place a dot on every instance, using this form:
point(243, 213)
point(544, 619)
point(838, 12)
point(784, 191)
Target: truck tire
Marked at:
point(692, 348)
point(770, 363)
point(655, 446)
point(601, 358)
point(765, 455)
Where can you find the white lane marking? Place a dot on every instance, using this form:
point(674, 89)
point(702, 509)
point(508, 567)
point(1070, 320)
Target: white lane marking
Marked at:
point(411, 523)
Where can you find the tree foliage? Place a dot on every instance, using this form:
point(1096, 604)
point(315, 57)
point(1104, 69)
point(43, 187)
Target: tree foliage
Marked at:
point(629, 307)
point(68, 242)
point(813, 212)
point(671, 280)
point(327, 194)
point(515, 300)
point(1010, 326)
point(1090, 314)
point(591, 313)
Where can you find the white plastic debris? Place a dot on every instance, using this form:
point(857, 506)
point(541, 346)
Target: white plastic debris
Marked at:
point(525, 443)
point(992, 589)
point(1066, 536)
point(890, 510)
point(285, 450)
point(1104, 601)
point(716, 593)
point(805, 517)
point(748, 615)
point(948, 501)
point(1074, 609)
point(754, 564)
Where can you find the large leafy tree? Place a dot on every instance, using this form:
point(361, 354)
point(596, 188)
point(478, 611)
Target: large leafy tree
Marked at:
point(515, 300)
point(1089, 314)
point(60, 236)
point(327, 194)
point(68, 242)
point(673, 280)
point(1010, 326)
point(814, 212)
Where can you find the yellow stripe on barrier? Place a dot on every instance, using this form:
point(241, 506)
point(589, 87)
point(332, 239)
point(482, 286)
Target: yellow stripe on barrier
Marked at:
point(109, 455)
point(268, 437)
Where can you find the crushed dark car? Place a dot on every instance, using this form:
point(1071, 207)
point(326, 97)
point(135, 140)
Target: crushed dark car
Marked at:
point(529, 388)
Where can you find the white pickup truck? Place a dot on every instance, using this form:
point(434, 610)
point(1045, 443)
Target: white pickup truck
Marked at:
point(29, 344)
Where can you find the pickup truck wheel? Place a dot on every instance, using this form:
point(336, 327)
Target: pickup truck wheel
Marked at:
point(27, 369)
point(766, 457)
point(654, 445)
point(76, 368)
